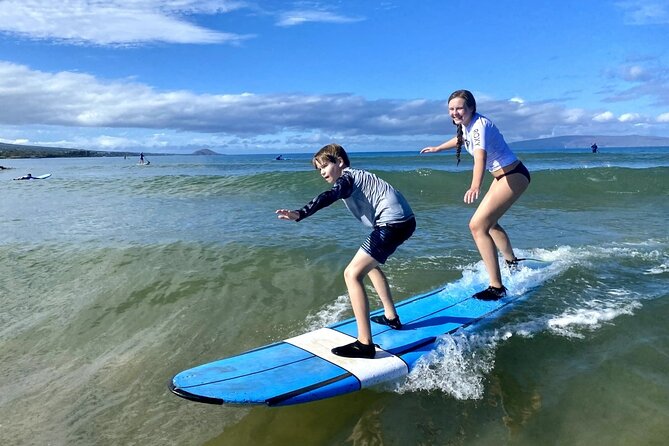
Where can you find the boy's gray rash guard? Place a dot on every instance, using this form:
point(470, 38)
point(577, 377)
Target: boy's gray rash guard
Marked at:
point(369, 198)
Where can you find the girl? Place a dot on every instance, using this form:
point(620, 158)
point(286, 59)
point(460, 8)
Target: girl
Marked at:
point(486, 144)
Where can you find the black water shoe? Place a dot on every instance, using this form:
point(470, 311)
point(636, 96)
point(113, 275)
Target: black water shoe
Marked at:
point(512, 265)
point(355, 350)
point(491, 293)
point(392, 323)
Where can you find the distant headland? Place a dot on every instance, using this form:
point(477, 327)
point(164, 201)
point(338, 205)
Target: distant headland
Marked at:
point(23, 151)
point(559, 142)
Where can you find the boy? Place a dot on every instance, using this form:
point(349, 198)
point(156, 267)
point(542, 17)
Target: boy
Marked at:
point(378, 205)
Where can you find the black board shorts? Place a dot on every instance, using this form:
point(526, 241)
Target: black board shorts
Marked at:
point(386, 238)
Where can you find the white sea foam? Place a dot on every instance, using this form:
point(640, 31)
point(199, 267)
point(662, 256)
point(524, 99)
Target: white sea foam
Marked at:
point(329, 314)
point(573, 321)
point(457, 367)
point(459, 364)
point(660, 269)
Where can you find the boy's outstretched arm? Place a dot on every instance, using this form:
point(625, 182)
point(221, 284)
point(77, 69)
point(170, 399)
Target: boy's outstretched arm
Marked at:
point(287, 214)
point(343, 188)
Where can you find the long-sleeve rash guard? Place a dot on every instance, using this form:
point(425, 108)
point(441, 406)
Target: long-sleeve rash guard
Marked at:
point(369, 198)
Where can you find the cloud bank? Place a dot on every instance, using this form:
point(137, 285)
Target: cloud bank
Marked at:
point(124, 107)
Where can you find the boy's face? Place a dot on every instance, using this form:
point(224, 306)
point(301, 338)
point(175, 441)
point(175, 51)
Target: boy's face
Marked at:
point(330, 171)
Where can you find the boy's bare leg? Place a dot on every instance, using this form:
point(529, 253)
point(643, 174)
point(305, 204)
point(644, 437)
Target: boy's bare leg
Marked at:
point(354, 274)
point(380, 283)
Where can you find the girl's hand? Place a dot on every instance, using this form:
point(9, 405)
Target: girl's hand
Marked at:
point(429, 149)
point(287, 214)
point(472, 195)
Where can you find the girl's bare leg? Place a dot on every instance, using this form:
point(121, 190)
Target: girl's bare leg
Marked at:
point(483, 225)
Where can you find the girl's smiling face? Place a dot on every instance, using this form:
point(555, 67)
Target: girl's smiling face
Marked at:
point(459, 111)
point(330, 171)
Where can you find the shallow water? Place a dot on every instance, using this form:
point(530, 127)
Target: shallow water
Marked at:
point(114, 277)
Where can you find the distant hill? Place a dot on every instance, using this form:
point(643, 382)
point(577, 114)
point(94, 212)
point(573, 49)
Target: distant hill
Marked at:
point(585, 141)
point(21, 151)
point(205, 152)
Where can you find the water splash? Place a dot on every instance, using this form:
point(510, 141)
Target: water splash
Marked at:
point(459, 364)
point(457, 367)
point(329, 314)
point(573, 321)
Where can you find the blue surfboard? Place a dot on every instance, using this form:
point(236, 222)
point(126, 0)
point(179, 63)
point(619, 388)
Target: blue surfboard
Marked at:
point(303, 369)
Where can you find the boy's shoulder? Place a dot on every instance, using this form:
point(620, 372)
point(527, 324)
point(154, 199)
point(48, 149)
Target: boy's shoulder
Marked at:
point(356, 173)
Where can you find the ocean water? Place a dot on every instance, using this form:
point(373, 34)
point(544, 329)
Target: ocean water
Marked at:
point(114, 277)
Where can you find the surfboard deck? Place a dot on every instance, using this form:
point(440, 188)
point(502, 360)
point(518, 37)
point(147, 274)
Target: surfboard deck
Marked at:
point(302, 368)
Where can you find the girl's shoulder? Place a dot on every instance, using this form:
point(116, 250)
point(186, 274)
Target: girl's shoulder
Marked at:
point(481, 123)
point(482, 120)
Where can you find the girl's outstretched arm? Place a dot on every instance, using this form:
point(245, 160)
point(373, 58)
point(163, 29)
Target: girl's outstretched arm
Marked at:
point(450, 144)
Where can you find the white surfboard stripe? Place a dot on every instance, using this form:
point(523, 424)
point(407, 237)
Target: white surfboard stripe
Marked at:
point(383, 367)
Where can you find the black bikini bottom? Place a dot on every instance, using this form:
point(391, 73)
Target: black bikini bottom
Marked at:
point(520, 168)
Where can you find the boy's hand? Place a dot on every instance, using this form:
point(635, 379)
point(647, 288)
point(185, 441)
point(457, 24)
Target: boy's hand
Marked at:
point(287, 214)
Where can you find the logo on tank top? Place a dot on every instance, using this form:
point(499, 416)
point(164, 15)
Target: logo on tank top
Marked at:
point(477, 138)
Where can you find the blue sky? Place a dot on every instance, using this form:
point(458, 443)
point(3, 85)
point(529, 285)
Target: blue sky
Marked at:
point(175, 76)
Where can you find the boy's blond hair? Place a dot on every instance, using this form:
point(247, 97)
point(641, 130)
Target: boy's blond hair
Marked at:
point(330, 153)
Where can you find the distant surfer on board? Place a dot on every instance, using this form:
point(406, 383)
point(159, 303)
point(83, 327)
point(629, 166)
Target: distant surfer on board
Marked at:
point(486, 144)
point(594, 147)
point(377, 205)
point(25, 177)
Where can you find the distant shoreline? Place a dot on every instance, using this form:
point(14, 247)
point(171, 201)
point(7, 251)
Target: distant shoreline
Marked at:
point(574, 142)
point(16, 151)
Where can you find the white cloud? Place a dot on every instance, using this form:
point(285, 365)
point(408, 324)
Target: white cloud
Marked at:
point(629, 117)
point(78, 99)
point(604, 117)
point(114, 22)
point(664, 117)
point(574, 115)
point(299, 17)
point(645, 12)
point(635, 73)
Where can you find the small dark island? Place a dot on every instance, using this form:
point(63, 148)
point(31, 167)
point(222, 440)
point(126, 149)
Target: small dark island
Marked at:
point(205, 152)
